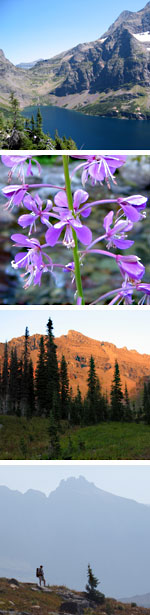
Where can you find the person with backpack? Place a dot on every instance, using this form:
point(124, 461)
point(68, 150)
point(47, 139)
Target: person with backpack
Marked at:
point(40, 575)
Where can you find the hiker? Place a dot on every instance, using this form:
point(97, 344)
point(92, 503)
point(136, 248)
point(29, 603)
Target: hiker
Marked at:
point(40, 575)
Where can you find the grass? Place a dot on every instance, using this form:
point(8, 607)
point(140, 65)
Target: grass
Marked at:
point(28, 439)
point(22, 598)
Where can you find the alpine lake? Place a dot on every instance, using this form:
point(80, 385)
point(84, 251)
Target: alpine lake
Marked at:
point(93, 132)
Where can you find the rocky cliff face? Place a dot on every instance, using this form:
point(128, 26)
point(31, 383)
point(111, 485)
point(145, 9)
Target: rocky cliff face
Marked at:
point(77, 348)
point(109, 76)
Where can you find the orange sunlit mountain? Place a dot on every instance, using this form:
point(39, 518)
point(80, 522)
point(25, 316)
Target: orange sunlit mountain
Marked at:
point(77, 348)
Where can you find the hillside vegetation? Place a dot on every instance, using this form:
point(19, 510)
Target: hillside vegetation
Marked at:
point(18, 598)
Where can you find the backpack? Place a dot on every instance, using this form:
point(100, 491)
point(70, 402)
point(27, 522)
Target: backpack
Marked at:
point(37, 572)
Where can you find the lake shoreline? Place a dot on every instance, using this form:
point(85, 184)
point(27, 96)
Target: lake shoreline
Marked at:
point(92, 132)
point(130, 116)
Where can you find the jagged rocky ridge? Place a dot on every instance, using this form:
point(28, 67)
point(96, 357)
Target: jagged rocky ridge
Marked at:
point(110, 76)
point(76, 524)
point(77, 348)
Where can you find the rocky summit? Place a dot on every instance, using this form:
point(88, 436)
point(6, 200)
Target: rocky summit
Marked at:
point(110, 76)
point(77, 348)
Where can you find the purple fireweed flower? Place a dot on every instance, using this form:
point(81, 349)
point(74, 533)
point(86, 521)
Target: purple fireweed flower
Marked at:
point(130, 267)
point(32, 260)
point(69, 267)
point(67, 219)
point(15, 162)
point(144, 288)
point(15, 194)
point(99, 168)
point(79, 197)
point(132, 207)
point(83, 232)
point(35, 206)
point(116, 235)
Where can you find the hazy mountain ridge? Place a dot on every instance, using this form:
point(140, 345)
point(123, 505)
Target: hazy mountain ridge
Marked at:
point(77, 523)
point(109, 76)
point(77, 348)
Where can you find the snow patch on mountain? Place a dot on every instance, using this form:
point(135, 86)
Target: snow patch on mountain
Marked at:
point(143, 37)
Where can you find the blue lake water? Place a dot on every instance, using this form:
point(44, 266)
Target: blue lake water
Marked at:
point(91, 132)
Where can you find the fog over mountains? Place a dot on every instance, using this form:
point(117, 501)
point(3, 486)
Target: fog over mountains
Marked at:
point(109, 76)
point(78, 523)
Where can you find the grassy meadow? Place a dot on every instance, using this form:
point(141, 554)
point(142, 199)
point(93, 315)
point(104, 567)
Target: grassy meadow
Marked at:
point(29, 439)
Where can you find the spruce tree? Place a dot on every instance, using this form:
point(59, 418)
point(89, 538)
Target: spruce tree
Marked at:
point(25, 376)
point(20, 387)
point(15, 108)
point(32, 126)
point(146, 403)
point(52, 372)
point(127, 407)
point(31, 395)
point(64, 389)
point(91, 587)
point(0, 392)
point(40, 379)
point(78, 408)
point(91, 399)
point(116, 396)
point(39, 133)
point(5, 381)
point(56, 407)
point(13, 382)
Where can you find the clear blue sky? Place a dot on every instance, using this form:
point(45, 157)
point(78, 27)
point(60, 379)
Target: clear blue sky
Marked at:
point(121, 326)
point(32, 29)
point(126, 481)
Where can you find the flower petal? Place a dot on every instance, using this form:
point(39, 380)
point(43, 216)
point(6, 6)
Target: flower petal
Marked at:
point(84, 234)
point(131, 212)
point(80, 196)
point(108, 221)
point(26, 220)
point(122, 244)
point(60, 199)
point(53, 233)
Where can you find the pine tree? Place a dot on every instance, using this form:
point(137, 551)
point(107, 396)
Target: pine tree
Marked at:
point(15, 108)
point(25, 376)
point(0, 392)
point(64, 389)
point(56, 407)
point(5, 381)
point(39, 133)
point(91, 399)
point(52, 372)
point(91, 587)
point(13, 382)
point(77, 408)
point(20, 388)
point(146, 403)
point(127, 406)
point(116, 396)
point(31, 396)
point(32, 126)
point(40, 379)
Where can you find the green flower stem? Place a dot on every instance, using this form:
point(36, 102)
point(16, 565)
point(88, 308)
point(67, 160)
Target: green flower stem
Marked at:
point(75, 249)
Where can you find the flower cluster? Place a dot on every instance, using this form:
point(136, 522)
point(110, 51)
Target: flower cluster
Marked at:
point(63, 223)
